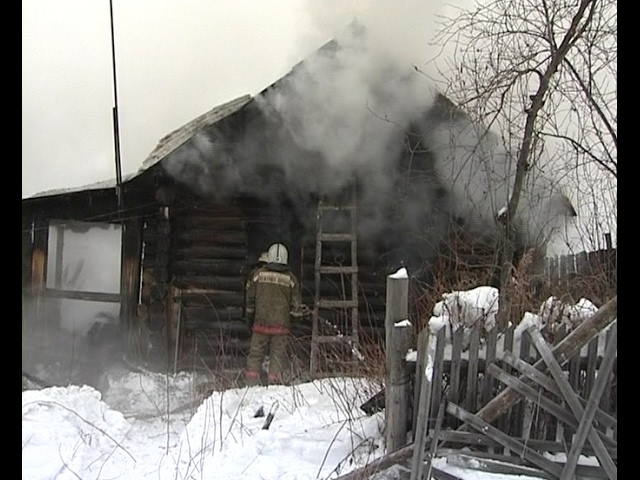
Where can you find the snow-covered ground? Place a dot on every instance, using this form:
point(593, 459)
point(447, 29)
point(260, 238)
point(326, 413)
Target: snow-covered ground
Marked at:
point(153, 426)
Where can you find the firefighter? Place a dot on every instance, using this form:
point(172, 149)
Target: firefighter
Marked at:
point(273, 297)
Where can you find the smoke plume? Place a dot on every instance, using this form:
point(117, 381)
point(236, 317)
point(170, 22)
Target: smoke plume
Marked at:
point(360, 108)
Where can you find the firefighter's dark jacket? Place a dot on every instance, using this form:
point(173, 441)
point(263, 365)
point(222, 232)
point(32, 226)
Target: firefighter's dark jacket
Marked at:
point(273, 296)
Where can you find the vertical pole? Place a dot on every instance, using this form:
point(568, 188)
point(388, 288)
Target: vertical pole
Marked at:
point(398, 341)
point(116, 127)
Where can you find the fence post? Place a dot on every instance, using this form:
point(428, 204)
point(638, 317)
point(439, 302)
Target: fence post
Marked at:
point(398, 341)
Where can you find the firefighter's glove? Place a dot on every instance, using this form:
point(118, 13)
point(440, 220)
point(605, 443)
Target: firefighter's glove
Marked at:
point(301, 311)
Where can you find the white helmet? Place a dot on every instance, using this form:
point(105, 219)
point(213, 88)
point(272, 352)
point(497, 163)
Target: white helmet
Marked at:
point(277, 253)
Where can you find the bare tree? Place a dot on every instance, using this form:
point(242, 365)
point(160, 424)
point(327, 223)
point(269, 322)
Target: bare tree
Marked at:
point(542, 74)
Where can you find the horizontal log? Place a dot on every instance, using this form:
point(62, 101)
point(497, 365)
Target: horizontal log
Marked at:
point(227, 252)
point(225, 268)
point(208, 222)
point(194, 360)
point(213, 282)
point(203, 297)
point(211, 344)
point(211, 314)
point(190, 237)
point(216, 328)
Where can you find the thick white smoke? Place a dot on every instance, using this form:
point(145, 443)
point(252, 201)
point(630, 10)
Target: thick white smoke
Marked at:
point(364, 107)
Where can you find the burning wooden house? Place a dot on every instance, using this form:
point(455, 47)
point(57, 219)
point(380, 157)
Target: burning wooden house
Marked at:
point(352, 188)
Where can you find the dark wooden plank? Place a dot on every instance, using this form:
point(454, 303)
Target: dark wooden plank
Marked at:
point(590, 371)
point(434, 443)
point(504, 421)
point(472, 372)
point(605, 402)
point(471, 462)
point(582, 471)
point(456, 350)
point(436, 392)
point(473, 439)
point(570, 397)
point(421, 364)
point(490, 355)
point(508, 442)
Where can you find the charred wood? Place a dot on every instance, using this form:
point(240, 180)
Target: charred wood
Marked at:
point(189, 237)
point(211, 315)
point(212, 282)
point(226, 268)
point(216, 328)
point(227, 252)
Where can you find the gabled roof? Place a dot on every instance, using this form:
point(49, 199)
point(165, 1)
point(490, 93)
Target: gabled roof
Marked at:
point(166, 145)
point(175, 139)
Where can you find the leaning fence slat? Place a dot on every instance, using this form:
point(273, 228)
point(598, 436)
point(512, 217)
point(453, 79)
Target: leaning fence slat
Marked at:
point(422, 419)
point(532, 395)
point(572, 400)
point(590, 372)
point(456, 351)
point(544, 381)
point(472, 370)
point(586, 422)
point(488, 383)
point(504, 421)
point(605, 402)
point(421, 365)
point(435, 439)
point(522, 412)
point(436, 391)
point(503, 439)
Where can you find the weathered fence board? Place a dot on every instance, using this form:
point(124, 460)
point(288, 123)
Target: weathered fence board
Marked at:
point(468, 377)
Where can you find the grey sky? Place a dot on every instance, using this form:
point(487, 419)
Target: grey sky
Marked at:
point(175, 60)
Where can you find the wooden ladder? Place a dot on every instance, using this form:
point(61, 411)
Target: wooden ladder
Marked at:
point(343, 304)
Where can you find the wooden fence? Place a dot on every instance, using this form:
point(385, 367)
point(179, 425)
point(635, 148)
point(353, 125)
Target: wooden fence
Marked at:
point(460, 374)
point(600, 265)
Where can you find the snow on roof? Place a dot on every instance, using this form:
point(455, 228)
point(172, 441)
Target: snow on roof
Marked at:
point(173, 140)
point(166, 145)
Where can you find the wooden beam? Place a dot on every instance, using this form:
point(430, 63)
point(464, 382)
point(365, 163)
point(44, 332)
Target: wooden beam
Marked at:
point(570, 397)
point(77, 295)
point(531, 394)
point(131, 253)
point(506, 441)
point(546, 382)
point(491, 462)
point(473, 439)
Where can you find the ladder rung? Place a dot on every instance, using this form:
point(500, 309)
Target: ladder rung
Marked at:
point(336, 237)
point(328, 269)
point(337, 303)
